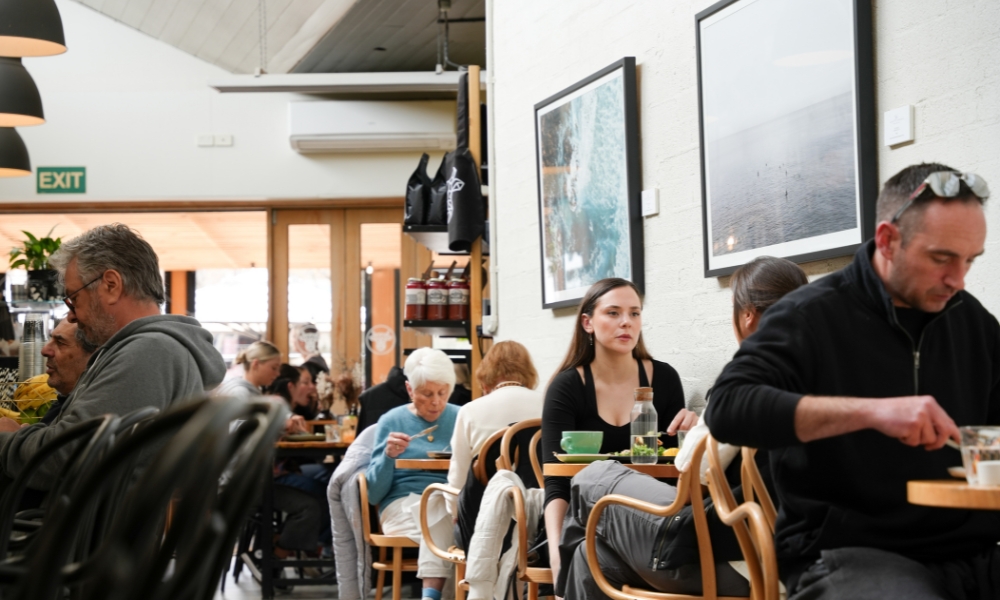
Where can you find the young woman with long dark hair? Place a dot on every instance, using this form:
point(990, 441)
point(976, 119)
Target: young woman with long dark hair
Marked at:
point(593, 388)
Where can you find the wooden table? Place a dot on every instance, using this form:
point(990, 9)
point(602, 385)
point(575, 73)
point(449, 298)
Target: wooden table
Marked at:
point(659, 470)
point(427, 464)
point(952, 493)
point(265, 541)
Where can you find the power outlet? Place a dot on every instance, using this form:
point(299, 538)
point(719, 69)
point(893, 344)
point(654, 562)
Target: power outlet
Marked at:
point(206, 140)
point(223, 139)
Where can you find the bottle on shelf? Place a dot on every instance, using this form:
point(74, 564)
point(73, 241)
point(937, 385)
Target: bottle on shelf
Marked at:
point(416, 299)
point(458, 299)
point(437, 299)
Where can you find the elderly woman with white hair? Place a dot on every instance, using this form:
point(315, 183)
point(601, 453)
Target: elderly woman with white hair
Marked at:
point(430, 379)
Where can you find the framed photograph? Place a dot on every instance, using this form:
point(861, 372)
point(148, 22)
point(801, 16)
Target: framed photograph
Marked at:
point(787, 117)
point(589, 208)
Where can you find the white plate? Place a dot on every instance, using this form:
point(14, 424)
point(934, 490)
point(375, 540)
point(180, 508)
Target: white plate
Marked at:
point(957, 472)
point(582, 458)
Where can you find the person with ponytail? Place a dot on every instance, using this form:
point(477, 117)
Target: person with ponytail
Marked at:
point(261, 363)
point(593, 389)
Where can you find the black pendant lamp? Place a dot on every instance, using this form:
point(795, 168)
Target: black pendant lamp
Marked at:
point(30, 28)
point(14, 161)
point(20, 103)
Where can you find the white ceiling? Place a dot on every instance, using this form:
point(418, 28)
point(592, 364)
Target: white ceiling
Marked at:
point(306, 36)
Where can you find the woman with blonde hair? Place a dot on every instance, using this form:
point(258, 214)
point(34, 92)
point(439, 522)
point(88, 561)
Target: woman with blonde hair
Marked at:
point(261, 363)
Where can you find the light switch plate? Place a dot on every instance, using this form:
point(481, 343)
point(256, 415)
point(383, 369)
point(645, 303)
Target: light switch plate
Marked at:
point(898, 125)
point(650, 202)
point(205, 140)
point(223, 139)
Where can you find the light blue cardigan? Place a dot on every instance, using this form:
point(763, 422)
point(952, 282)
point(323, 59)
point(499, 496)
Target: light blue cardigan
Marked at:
point(386, 483)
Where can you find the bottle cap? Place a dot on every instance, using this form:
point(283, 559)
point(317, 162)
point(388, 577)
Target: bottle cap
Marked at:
point(643, 394)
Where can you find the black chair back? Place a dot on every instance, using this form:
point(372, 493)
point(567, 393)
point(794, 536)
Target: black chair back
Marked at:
point(194, 447)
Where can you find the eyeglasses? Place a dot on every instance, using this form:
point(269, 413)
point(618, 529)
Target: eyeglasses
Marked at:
point(68, 298)
point(946, 184)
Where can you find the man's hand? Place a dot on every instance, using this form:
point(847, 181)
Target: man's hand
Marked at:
point(295, 424)
point(685, 420)
point(7, 424)
point(913, 420)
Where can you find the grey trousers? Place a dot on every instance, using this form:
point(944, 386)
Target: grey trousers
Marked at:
point(871, 574)
point(625, 539)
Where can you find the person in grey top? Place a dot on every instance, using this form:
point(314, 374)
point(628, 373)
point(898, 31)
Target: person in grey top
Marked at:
point(114, 293)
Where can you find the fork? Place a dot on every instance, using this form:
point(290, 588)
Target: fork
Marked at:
point(424, 432)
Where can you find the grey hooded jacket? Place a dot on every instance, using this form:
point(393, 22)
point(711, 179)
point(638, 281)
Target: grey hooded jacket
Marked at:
point(354, 557)
point(153, 361)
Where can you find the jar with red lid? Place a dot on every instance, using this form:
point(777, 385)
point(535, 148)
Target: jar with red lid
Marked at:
point(437, 300)
point(416, 300)
point(458, 299)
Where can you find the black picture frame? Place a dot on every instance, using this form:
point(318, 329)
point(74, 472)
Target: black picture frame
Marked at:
point(583, 215)
point(754, 217)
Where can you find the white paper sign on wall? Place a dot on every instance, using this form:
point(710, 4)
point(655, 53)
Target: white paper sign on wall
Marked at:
point(898, 125)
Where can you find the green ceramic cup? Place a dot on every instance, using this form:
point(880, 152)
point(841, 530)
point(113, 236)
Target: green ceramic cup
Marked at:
point(582, 442)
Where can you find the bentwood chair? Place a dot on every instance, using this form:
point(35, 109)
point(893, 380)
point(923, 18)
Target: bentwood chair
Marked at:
point(688, 491)
point(453, 554)
point(754, 489)
point(533, 577)
point(748, 520)
point(519, 437)
point(482, 471)
point(395, 543)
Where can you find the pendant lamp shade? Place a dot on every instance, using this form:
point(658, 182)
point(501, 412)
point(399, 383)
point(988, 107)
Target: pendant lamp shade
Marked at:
point(20, 103)
point(30, 28)
point(14, 161)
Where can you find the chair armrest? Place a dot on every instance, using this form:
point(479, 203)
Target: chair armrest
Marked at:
point(455, 557)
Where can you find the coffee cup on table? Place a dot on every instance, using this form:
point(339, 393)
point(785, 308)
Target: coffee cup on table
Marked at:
point(581, 442)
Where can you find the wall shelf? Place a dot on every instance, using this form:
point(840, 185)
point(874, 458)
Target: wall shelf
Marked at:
point(435, 238)
point(439, 328)
point(456, 356)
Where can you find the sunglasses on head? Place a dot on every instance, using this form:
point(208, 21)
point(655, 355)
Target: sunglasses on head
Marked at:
point(946, 184)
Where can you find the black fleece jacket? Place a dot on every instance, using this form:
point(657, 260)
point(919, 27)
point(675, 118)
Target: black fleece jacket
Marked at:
point(839, 336)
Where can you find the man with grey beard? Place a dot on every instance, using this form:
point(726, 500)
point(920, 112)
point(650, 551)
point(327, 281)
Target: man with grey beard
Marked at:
point(144, 358)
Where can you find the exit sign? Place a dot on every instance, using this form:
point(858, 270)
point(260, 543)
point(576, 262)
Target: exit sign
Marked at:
point(62, 180)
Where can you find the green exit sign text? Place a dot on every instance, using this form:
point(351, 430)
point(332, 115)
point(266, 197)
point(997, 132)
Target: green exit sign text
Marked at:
point(62, 180)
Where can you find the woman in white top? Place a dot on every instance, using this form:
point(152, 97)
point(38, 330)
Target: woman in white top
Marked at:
point(508, 378)
point(261, 363)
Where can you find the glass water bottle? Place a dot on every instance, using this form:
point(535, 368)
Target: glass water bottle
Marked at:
point(644, 428)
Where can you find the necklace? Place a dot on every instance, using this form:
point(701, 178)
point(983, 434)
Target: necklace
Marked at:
point(507, 384)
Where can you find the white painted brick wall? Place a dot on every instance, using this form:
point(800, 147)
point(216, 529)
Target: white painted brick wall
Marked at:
point(943, 56)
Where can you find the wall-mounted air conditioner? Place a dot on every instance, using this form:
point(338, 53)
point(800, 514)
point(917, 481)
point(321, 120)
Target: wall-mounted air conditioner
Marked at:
point(371, 126)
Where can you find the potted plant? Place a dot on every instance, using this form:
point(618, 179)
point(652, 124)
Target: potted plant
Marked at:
point(33, 255)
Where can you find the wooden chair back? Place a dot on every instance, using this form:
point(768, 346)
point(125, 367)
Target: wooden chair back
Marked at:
point(510, 451)
point(490, 449)
point(688, 490)
point(754, 489)
point(755, 537)
point(453, 555)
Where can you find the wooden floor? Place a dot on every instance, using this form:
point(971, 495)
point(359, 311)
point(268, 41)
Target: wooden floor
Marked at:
point(247, 589)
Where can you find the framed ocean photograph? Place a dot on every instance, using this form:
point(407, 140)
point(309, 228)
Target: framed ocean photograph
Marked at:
point(590, 222)
point(787, 119)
